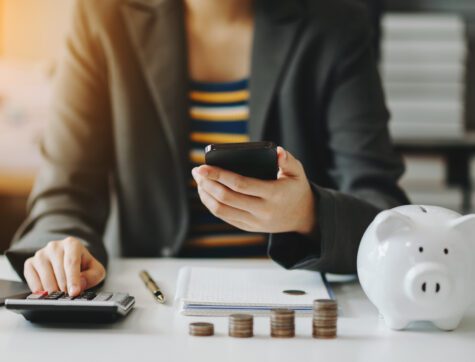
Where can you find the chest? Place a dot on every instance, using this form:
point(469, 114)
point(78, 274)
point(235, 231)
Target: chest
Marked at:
point(219, 53)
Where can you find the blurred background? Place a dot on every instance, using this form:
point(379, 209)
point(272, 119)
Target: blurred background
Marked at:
point(426, 50)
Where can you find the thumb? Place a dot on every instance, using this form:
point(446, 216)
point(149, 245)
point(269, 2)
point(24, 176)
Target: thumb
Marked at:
point(93, 274)
point(288, 164)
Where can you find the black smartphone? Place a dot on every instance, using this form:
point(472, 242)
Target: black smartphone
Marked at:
point(251, 159)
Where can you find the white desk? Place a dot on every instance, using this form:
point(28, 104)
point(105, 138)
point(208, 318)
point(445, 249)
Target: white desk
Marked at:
point(155, 332)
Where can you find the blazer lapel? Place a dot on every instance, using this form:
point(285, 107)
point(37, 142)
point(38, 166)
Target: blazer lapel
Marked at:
point(157, 31)
point(276, 27)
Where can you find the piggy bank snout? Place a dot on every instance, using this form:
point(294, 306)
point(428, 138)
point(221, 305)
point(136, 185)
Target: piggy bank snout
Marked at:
point(428, 283)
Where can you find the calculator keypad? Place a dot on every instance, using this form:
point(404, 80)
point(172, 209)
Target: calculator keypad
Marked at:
point(37, 295)
point(89, 306)
point(53, 296)
point(85, 296)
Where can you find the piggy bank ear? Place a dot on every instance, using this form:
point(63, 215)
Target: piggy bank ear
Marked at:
point(390, 222)
point(465, 224)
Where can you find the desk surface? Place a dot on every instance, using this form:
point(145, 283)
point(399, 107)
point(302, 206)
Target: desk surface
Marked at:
point(155, 332)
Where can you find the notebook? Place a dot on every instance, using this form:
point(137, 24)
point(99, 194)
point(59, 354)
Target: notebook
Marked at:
point(223, 291)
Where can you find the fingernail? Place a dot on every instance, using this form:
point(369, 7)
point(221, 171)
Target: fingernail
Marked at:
point(203, 171)
point(73, 290)
point(284, 153)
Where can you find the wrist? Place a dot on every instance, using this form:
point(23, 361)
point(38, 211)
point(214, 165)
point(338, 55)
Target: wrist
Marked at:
point(307, 222)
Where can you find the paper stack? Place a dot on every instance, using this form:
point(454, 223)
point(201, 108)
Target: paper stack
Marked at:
point(423, 70)
point(223, 291)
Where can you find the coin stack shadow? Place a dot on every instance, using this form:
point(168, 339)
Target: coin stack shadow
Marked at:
point(325, 314)
point(201, 329)
point(282, 323)
point(241, 325)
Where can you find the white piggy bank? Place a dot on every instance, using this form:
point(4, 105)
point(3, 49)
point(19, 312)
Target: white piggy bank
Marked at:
point(417, 263)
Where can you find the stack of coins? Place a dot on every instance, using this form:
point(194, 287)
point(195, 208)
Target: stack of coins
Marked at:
point(282, 323)
point(241, 325)
point(325, 315)
point(201, 329)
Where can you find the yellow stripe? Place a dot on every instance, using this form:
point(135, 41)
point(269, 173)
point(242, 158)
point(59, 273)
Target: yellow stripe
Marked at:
point(226, 240)
point(215, 97)
point(215, 116)
point(197, 157)
point(218, 137)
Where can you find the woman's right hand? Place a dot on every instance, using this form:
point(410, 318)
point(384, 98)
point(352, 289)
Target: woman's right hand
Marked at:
point(64, 265)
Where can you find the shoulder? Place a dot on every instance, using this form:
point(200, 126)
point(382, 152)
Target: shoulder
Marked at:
point(336, 17)
point(335, 12)
point(98, 14)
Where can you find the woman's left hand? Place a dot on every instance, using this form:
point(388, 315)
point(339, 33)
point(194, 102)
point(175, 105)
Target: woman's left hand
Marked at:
point(283, 205)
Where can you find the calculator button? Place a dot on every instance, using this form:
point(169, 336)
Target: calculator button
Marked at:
point(37, 295)
point(87, 296)
point(54, 296)
point(67, 297)
point(102, 297)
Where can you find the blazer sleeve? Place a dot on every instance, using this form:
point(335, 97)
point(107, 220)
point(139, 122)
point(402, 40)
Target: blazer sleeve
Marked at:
point(71, 193)
point(364, 167)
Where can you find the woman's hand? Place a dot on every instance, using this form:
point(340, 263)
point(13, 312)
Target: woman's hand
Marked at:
point(64, 265)
point(284, 205)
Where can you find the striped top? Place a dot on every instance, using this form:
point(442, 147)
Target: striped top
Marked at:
point(219, 113)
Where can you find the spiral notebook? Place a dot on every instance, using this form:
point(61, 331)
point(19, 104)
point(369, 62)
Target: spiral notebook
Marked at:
point(223, 291)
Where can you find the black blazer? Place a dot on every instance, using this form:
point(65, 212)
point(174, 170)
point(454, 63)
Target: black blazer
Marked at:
point(120, 125)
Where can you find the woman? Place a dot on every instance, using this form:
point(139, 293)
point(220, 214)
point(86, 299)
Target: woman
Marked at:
point(144, 84)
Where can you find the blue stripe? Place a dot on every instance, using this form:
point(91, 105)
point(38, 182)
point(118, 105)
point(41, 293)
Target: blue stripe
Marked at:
point(205, 218)
point(225, 251)
point(196, 145)
point(217, 105)
point(220, 86)
point(232, 127)
point(217, 122)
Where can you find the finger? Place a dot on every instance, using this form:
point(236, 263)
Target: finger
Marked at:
point(45, 271)
point(222, 211)
point(288, 164)
point(94, 274)
point(72, 265)
point(32, 277)
point(56, 257)
point(241, 184)
point(229, 197)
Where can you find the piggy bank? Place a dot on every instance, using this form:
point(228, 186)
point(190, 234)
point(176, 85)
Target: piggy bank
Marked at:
point(417, 263)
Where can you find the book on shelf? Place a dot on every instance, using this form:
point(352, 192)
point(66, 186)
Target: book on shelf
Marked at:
point(443, 91)
point(410, 51)
point(432, 112)
point(400, 130)
point(410, 26)
point(407, 72)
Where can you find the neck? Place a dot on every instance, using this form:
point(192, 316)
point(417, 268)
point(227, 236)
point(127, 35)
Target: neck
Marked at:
point(219, 10)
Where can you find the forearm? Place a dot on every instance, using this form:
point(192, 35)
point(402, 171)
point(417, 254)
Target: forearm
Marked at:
point(34, 236)
point(341, 220)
